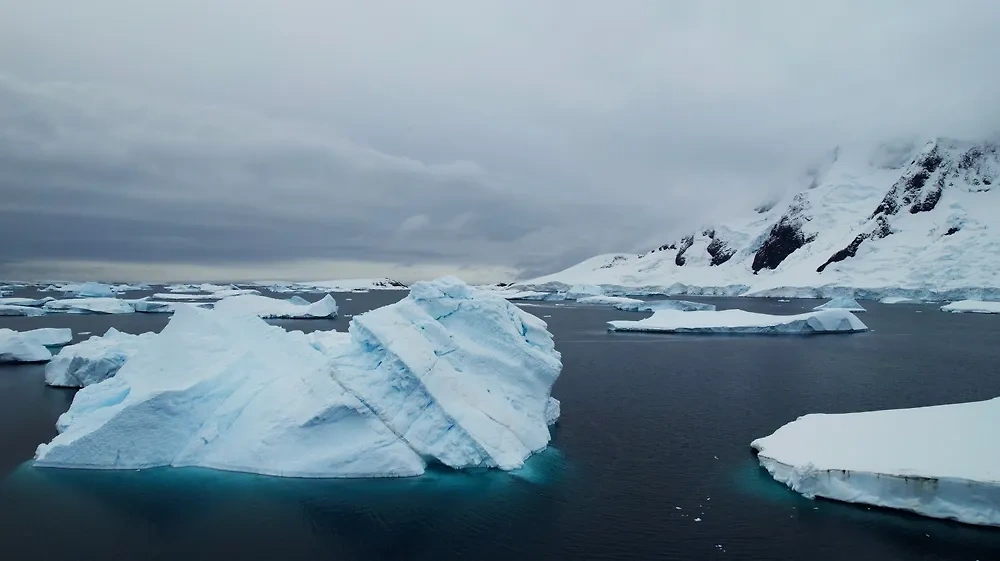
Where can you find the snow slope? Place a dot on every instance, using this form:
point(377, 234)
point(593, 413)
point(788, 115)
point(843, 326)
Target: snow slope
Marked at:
point(972, 306)
point(914, 221)
point(743, 322)
point(938, 461)
point(449, 374)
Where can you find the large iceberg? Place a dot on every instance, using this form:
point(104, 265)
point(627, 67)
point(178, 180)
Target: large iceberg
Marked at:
point(937, 461)
point(610, 301)
point(972, 306)
point(30, 302)
point(657, 305)
point(841, 303)
point(217, 295)
point(265, 307)
point(449, 374)
point(743, 322)
point(16, 347)
point(93, 360)
point(90, 306)
point(49, 336)
point(89, 290)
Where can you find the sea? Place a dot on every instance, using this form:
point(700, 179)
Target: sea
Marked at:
point(651, 458)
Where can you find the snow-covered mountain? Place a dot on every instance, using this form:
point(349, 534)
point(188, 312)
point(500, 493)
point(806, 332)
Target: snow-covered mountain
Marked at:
point(904, 220)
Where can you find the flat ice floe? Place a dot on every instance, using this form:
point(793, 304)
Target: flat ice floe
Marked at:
point(657, 305)
point(899, 300)
point(449, 374)
point(939, 461)
point(93, 360)
point(217, 295)
point(615, 301)
point(743, 322)
point(10, 310)
point(265, 307)
point(972, 306)
point(29, 302)
point(90, 306)
point(841, 303)
point(49, 336)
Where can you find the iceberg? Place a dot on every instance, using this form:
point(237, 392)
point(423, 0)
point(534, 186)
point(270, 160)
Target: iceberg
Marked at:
point(89, 290)
point(49, 336)
point(90, 306)
point(657, 305)
point(448, 375)
point(939, 461)
point(29, 302)
point(552, 411)
point(16, 347)
point(743, 322)
point(610, 301)
point(972, 306)
point(265, 307)
point(841, 303)
point(217, 295)
point(93, 360)
point(899, 300)
point(578, 291)
point(9, 310)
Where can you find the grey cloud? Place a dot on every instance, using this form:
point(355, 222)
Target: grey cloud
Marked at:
point(506, 132)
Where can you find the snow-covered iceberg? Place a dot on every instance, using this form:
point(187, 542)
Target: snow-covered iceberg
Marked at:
point(10, 310)
point(49, 336)
point(937, 461)
point(899, 300)
point(217, 295)
point(89, 290)
point(972, 306)
point(341, 285)
point(610, 301)
point(265, 307)
point(743, 322)
point(93, 360)
point(90, 306)
point(841, 303)
point(449, 374)
point(16, 347)
point(657, 305)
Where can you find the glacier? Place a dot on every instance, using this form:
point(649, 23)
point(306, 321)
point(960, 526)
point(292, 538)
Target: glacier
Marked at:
point(449, 375)
point(93, 360)
point(972, 306)
point(265, 307)
point(939, 461)
point(925, 226)
point(743, 322)
point(841, 303)
point(89, 306)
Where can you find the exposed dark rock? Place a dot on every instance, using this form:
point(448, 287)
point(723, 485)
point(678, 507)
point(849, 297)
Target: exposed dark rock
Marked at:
point(785, 237)
point(930, 199)
point(952, 230)
point(882, 230)
point(686, 244)
point(720, 251)
point(764, 207)
point(614, 262)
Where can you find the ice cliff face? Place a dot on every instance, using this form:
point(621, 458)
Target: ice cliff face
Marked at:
point(906, 219)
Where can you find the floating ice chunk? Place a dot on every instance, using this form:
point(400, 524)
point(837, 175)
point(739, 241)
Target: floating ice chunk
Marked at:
point(583, 290)
point(90, 306)
point(8, 310)
point(242, 396)
point(29, 302)
point(552, 411)
point(181, 288)
point(217, 295)
point(937, 461)
point(447, 374)
point(610, 301)
point(525, 295)
point(743, 322)
point(972, 306)
point(265, 307)
point(464, 376)
point(89, 290)
point(841, 303)
point(351, 285)
point(657, 305)
point(16, 347)
point(899, 300)
point(49, 336)
point(93, 360)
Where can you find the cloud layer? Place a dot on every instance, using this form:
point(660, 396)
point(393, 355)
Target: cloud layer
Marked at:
point(491, 137)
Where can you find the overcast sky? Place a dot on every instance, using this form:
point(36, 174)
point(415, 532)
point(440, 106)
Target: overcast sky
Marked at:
point(217, 139)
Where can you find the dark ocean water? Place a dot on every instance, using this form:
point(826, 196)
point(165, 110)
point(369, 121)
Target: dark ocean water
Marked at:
point(655, 433)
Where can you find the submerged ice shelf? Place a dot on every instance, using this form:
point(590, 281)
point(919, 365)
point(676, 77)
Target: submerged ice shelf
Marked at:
point(939, 461)
point(448, 374)
point(743, 322)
